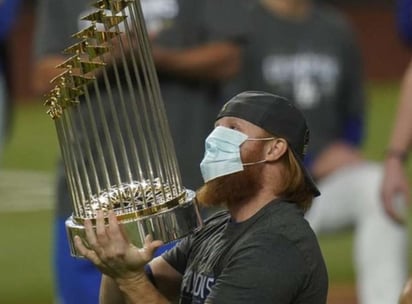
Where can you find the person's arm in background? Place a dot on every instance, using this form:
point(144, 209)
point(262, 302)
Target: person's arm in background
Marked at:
point(211, 61)
point(406, 296)
point(217, 58)
point(214, 61)
point(395, 180)
point(395, 187)
point(345, 150)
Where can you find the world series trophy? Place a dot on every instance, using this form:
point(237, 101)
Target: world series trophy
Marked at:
point(112, 128)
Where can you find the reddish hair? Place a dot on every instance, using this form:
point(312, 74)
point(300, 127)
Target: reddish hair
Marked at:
point(293, 186)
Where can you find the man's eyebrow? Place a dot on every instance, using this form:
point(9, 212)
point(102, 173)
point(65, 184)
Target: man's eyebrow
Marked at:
point(229, 120)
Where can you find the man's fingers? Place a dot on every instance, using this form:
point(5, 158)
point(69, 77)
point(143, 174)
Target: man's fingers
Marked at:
point(150, 246)
point(395, 208)
point(85, 252)
point(90, 234)
point(114, 227)
point(98, 239)
point(406, 296)
point(395, 215)
point(148, 239)
point(78, 242)
point(101, 233)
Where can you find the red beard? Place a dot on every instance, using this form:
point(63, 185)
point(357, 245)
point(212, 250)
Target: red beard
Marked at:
point(230, 189)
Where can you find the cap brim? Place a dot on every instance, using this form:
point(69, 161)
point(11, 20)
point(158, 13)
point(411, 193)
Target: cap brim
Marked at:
point(308, 177)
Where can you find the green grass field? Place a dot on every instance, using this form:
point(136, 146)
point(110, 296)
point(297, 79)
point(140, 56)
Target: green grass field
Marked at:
point(26, 213)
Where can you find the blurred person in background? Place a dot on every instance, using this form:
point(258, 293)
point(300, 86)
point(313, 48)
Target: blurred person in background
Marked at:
point(196, 47)
point(307, 52)
point(9, 10)
point(396, 185)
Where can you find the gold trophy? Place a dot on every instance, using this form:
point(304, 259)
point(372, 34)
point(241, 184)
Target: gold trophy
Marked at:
point(113, 131)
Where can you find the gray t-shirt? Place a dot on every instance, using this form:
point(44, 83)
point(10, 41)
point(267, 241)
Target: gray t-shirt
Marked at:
point(273, 257)
point(313, 62)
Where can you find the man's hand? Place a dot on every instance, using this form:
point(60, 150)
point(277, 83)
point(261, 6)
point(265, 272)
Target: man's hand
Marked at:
point(110, 250)
point(406, 296)
point(395, 184)
point(334, 157)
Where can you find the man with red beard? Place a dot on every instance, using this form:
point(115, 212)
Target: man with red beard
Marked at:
point(261, 250)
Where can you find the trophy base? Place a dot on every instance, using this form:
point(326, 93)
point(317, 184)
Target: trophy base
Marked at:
point(168, 225)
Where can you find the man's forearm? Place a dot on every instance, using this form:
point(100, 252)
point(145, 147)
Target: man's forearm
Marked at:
point(140, 290)
point(110, 292)
point(402, 133)
point(214, 61)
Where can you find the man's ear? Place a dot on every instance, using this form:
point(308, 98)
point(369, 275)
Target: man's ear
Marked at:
point(277, 148)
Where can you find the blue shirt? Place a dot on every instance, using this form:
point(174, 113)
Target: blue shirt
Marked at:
point(404, 20)
point(8, 12)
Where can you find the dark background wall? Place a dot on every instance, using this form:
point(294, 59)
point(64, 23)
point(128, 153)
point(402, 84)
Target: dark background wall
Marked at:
point(385, 57)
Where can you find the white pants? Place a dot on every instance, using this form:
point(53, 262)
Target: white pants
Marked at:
point(351, 197)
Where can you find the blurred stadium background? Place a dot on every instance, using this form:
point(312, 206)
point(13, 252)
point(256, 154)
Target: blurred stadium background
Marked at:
point(27, 166)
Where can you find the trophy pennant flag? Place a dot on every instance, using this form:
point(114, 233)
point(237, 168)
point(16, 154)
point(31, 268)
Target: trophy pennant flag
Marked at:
point(113, 133)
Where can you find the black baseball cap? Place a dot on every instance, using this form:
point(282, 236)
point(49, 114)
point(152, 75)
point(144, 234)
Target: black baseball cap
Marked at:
point(276, 115)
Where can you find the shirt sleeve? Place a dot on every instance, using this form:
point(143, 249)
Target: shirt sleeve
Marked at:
point(267, 270)
point(177, 256)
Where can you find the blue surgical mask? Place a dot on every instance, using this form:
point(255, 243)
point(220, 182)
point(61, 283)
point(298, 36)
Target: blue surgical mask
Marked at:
point(222, 153)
